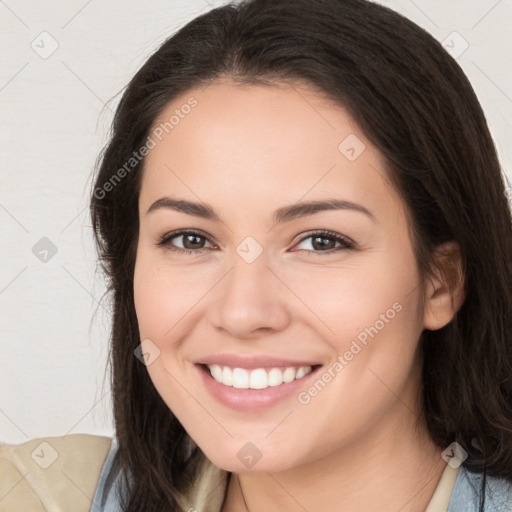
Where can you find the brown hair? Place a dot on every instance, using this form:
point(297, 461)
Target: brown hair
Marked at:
point(415, 104)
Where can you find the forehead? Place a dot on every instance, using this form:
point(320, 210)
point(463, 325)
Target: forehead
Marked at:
point(264, 144)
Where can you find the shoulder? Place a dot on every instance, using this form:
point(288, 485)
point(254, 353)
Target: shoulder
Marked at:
point(52, 473)
point(207, 492)
point(107, 497)
point(467, 493)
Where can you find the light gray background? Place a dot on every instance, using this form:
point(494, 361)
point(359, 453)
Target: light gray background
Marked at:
point(55, 113)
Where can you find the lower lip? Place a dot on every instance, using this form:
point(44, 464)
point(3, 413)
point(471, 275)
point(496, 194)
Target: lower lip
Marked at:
point(249, 400)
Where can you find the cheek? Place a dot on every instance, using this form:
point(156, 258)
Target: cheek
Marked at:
point(160, 304)
point(162, 294)
point(149, 300)
point(345, 302)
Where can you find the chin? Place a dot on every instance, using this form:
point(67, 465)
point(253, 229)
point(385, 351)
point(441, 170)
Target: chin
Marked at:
point(247, 458)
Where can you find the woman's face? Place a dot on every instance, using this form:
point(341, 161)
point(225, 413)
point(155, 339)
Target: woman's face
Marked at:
point(256, 279)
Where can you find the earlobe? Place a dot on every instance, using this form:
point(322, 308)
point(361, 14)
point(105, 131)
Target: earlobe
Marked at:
point(445, 292)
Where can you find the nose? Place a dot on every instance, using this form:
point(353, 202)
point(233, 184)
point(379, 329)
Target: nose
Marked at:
point(251, 300)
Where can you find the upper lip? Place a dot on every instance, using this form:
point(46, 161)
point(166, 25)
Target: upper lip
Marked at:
point(259, 361)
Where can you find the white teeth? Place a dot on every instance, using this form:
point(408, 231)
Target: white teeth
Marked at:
point(258, 378)
point(240, 378)
point(275, 377)
point(289, 374)
point(216, 372)
point(227, 376)
point(300, 372)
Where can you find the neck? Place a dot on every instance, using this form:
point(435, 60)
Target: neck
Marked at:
point(393, 467)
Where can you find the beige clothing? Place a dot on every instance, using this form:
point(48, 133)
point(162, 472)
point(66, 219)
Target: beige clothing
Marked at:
point(54, 474)
point(60, 474)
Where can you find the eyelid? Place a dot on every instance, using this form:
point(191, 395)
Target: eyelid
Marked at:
point(327, 233)
point(164, 240)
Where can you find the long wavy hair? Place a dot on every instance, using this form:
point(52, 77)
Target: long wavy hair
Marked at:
point(415, 104)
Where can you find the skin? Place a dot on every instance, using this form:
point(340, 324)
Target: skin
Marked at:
point(360, 444)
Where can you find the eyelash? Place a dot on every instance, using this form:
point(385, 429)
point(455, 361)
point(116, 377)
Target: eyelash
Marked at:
point(164, 241)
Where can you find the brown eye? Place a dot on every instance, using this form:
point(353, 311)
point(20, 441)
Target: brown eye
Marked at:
point(192, 241)
point(325, 242)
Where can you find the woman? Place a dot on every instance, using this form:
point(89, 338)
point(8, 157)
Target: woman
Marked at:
point(251, 372)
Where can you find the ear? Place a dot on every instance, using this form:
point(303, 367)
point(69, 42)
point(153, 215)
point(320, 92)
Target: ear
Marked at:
point(445, 292)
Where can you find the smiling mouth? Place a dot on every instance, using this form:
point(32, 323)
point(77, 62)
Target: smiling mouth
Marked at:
point(256, 378)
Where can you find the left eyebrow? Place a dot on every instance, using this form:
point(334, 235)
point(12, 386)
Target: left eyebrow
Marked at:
point(283, 214)
point(304, 209)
